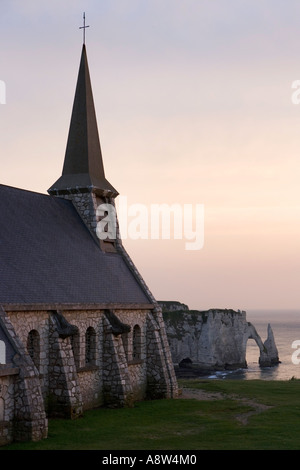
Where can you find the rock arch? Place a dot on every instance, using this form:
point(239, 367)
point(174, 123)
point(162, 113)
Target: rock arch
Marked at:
point(268, 354)
point(251, 333)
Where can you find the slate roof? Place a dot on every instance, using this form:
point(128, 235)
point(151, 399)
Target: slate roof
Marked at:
point(48, 256)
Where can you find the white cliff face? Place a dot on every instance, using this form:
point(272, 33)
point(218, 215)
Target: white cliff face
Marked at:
point(215, 339)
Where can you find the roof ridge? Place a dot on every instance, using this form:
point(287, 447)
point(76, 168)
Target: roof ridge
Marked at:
point(23, 189)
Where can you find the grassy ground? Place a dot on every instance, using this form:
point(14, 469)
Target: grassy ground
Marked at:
point(232, 419)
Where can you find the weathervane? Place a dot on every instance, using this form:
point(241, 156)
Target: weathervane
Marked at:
point(84, 28)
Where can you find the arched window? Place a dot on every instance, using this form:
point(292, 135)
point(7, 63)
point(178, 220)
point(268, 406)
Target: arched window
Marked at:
point(2, 353)
point(33, 347)
point(75, 344)
point(136, 343)
point(90, 346)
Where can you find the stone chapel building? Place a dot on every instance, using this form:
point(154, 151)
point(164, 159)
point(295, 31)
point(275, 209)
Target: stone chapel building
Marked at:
point(79, 328)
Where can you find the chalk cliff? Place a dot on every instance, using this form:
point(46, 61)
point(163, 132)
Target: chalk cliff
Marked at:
point(214, 339)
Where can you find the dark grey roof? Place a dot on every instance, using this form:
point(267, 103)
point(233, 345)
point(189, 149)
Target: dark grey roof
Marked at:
point(47, 256)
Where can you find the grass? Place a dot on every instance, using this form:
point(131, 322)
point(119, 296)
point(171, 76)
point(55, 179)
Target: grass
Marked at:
point(187, 424)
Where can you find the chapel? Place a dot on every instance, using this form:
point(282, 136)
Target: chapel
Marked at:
point(79, 328)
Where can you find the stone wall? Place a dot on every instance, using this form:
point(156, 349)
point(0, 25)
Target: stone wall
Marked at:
point(91, 385)
point(65, 362)
point(7, 404)
point(64, 394)
point(89, 358)
point(86, 205)
point(22, 413)
point(24, 323)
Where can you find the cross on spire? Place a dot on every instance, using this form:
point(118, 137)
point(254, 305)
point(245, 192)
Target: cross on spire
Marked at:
point(84, 28)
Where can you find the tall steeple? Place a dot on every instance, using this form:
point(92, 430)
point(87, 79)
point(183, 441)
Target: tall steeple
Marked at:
point(83, 165)
point(83, 179)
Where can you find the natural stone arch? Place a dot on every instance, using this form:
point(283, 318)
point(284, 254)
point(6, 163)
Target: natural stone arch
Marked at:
point(252, 334)
point(268, 354)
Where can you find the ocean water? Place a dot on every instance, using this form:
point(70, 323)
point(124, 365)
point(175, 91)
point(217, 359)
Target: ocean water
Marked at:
point(286, 328)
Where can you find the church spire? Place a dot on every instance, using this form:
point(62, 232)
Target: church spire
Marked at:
point(83, 169)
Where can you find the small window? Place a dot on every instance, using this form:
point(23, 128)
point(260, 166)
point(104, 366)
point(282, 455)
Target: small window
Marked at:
point(90, 346)
point(136, 343)
point(33, 347)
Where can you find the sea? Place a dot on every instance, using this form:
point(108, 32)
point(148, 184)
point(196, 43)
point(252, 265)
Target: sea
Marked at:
point(286, 329)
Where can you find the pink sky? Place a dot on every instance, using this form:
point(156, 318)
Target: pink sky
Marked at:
point(194, 107)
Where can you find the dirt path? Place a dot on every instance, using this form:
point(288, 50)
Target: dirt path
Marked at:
point(242, 417)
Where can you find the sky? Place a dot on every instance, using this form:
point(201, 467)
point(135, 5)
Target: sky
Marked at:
point(194, 102)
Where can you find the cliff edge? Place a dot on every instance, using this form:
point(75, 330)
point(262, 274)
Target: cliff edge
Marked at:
point(214, 339)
